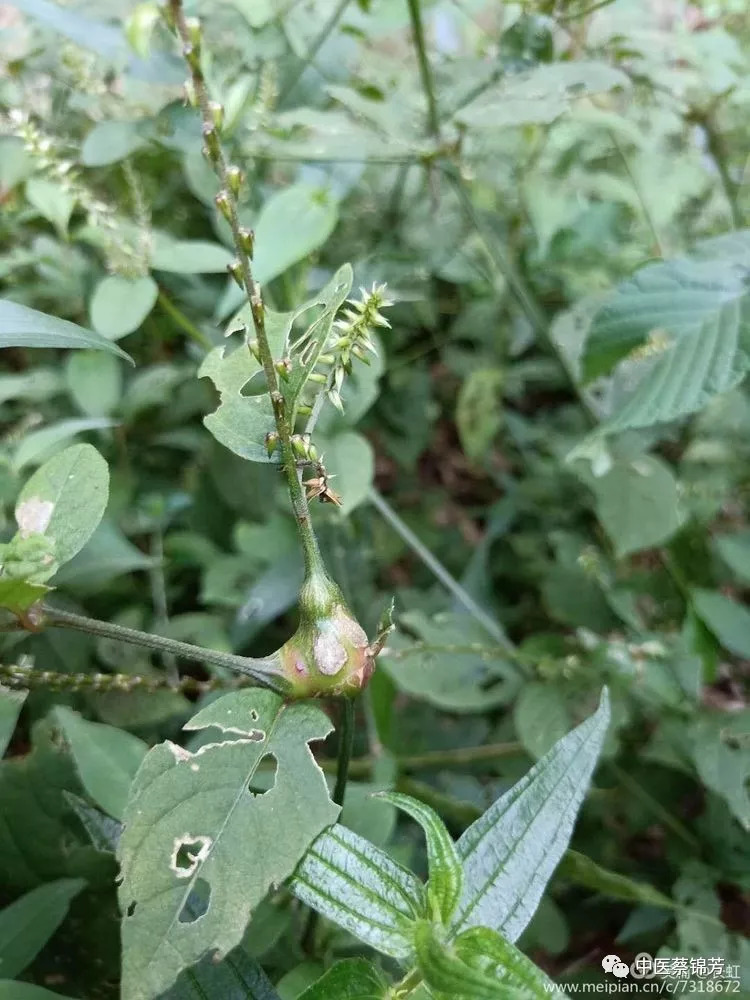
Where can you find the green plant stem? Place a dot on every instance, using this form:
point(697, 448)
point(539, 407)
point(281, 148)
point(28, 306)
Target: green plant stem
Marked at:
point(659, 244)
point(346, 743)
point(181, 320)
point(312, 556)
point(439, 571)
point(425, 71)
point(255, 668)
point(717, 149)
point(20, 677)
point(656, 807)
point(318, 42)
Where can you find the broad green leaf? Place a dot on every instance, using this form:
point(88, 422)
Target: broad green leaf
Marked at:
point(54, 202)
point(106, 555)
point(720, 748)
point(102, 830)
point(350, 459)
point(24, 327)
point(479, 410)
point(94, 382)
point(728, 620)
point(735, 551)
point(540, 95)
point(485, 950)
point(541, 717)
point(109, 142)
point(582, 870)
point(37, 445)
point(28, 923)
point(106, 758)
point(18, 595)
point(510, 852)
point(696, 313)
point(352, 979)
point(350, 881)
point(452, 664)
point(65, 499)
point(194, 828)
point(119, 305)
point(11, 703)
point(444, 867)
point(12, 990)
point(34, 386)
point(292, 224)
point(638, 503)
point(188, 256)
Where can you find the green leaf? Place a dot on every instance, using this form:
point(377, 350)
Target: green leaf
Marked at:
point(697, 313)
point(352, 979)
point(24, 327)
point(37, 445)
point(581, 870)
point(292, 224)
point(236, 977)
point(719, 747)
point(541, 717)
point(11, 703)
point(350, 459)
point(540, 95)
point(728, 620)
point(29, 922)
point(190, 821)
point(109, 142)
point(188, 256)
point(638, 503)
point(510, 852)
point(19, 595)
point(94, 382)
point(106, 758)
point(119, 305)
point(12, 990)
point(479, 410)
point(485, 950)
point(452, 665)
point(107, 555)
point(443, 862)
point(734, 549)
point(65, 499)
point(54, 202)
point(350, 881)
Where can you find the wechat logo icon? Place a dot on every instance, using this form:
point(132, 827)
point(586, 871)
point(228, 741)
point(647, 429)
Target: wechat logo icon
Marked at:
point(612, 963)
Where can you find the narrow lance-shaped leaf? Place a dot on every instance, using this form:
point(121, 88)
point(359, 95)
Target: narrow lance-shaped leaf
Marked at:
point(350, 881)
point(197, 839)
point(27, 924)
point(510, 852)
point(24, 327)
point(443, 860)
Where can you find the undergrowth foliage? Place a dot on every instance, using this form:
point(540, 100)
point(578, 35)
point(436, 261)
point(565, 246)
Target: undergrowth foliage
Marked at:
point(543, 335)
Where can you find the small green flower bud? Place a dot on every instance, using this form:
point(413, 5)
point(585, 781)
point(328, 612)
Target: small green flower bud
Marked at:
point(235, 269)
point(234, 180)
point(298, 446)
point(304, 410)
point(254, 349)
point(272, 442)
point(247, 241)
point(189, 93)
point(211, 142)
point(167, 14)
point(217, 114)
point(312, 452)
point(193, 27)
point(192, 57)
point(284, 368)
point(318, 377)
point(223, 204)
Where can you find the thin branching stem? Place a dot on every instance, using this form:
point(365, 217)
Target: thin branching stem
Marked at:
point(425, 70)
point(317, 44)
point(227, 177)
point(181, 320)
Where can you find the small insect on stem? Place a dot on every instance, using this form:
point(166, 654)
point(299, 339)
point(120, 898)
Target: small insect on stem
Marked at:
point(319, 487)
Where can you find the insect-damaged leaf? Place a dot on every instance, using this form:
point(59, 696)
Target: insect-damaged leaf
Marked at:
point(199, 849)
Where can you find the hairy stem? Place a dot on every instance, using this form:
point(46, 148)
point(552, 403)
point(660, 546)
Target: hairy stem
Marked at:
point(256, 668)
point(227, 177)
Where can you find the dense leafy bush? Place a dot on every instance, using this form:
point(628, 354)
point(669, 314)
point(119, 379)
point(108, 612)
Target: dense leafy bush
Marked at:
point(528, 429)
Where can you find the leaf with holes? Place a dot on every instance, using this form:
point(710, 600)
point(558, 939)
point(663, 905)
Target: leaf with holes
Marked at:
point(696, 312)
point(199, 849)
point(510, 852)
point(350, 881)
